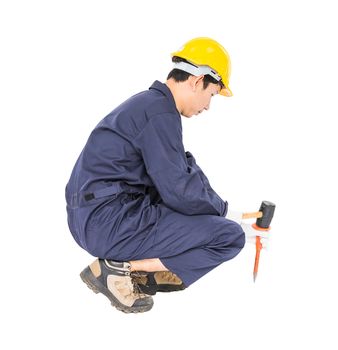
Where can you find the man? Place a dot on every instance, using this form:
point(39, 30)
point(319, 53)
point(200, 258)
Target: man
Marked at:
point(139, 202)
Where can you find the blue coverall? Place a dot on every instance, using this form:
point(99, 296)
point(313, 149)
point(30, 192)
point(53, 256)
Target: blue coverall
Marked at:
point(134, 192)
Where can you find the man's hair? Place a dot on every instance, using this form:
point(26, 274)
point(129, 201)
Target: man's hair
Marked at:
point(180, 75)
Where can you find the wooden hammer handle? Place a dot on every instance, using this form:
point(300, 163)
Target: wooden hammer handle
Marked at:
point(255, 215)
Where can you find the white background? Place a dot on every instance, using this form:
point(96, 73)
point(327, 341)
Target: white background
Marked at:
point(66, 64)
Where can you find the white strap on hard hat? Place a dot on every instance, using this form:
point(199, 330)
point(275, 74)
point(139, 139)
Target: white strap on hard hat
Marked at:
point(196, 70)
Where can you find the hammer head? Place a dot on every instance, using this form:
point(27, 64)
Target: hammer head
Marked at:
point(268, 209)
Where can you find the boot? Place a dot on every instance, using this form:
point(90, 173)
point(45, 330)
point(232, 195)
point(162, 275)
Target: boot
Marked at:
point(159, 281)
point(112, 279)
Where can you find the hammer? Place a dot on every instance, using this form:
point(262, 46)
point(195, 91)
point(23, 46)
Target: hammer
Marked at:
point(264, 217)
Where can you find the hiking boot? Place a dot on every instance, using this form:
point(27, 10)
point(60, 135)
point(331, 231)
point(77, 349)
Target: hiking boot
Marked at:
point(159, 281)
point(112, 279)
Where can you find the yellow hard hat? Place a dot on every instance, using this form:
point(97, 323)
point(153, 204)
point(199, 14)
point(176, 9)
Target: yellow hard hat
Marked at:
point(210, 57)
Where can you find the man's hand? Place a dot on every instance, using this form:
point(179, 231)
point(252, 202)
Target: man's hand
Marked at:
point(250, 232)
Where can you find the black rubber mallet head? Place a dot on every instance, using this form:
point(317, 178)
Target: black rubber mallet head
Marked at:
point(267, 209)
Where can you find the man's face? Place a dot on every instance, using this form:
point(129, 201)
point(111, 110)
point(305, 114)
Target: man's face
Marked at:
point(199, 98)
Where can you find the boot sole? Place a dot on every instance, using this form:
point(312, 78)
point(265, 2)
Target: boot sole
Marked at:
point(97, 287)
point(159, 289)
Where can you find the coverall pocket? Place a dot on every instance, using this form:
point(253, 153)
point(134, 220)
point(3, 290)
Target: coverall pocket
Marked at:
point(105, 212)
point(131, 204)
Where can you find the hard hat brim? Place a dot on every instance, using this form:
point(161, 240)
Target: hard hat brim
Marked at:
point(226, 92)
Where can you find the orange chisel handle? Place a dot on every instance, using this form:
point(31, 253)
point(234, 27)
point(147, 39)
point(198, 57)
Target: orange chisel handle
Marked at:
point(258, 252)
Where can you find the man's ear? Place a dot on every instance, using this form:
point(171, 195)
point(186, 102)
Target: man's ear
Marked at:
point(195, 81)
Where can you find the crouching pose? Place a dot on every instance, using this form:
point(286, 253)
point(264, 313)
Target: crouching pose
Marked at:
point(139, 202)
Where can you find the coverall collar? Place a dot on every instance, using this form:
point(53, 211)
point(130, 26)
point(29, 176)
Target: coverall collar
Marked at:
point(163, 88)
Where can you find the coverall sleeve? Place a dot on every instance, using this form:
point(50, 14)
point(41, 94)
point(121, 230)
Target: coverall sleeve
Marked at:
point(180, 182)
point(192, 163)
